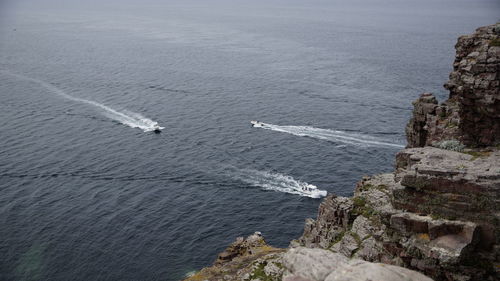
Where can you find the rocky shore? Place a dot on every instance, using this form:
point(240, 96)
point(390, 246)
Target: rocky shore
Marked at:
point(436, 217)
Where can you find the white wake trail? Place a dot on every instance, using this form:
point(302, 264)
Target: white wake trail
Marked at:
point(130, 119)
point(330, 135)
point(278, 182)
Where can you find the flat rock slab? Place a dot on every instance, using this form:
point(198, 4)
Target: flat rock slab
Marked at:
point(306, 264)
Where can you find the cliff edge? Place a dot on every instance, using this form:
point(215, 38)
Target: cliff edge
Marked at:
point(471, 115)
point(437, 216)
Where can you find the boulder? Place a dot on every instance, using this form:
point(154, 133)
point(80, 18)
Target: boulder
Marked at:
point(311, 263)
point(241, 247)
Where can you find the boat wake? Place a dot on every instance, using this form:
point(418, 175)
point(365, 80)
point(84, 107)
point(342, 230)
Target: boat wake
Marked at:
point(278, 182)
point(128, 118)
point(330, 135)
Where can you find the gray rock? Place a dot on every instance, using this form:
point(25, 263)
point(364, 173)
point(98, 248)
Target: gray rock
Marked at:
point(362, 227)
point(295, 278)
point(334, 215)
point(305, 264)
point(313, 264)
point(347, 246)
point(358, 270)
point(452, 184)
point(370, 250)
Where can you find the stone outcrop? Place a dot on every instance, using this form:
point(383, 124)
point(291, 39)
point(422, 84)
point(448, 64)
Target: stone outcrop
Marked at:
point(333, 216)
point(438, 213)
point(245, 259)
point(432, 123)
point(450, 184)
point(475, 82)
point(471, 115)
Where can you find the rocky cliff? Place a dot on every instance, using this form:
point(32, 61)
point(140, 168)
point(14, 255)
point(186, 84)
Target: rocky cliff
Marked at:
point(471, 115)
point(438, 213)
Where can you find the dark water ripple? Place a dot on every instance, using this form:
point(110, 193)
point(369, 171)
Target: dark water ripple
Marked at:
point(85, 197)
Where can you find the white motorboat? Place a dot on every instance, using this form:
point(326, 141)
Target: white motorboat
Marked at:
point(157, 128)
point(313, 191)
point(257, 124)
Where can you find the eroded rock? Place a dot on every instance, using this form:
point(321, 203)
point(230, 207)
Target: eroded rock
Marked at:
point(471, 115)
point(475, 83)
point(451, 185)
point(334, 215)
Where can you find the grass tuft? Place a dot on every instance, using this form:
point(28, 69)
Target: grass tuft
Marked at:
point(452, 145)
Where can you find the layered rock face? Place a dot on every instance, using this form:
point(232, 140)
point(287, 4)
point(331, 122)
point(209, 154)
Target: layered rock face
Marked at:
point(438, 213)
point(432, 123)
point(450, 184)
point(472, 112)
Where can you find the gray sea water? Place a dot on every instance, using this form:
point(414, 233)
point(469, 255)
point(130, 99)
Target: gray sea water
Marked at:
point(88, 192)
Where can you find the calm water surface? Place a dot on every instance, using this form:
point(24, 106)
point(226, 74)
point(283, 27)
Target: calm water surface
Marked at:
point(87, 193)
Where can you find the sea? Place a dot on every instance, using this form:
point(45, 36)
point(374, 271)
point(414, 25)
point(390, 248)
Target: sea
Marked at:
point(89, 190)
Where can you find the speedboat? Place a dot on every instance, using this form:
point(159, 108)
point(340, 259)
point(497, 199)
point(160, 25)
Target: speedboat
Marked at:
point(309, 188)
point(312, 191)
point(157, 128)
point(256, 124)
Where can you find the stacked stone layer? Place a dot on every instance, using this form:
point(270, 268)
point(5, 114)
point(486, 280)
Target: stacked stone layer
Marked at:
point(472, 112)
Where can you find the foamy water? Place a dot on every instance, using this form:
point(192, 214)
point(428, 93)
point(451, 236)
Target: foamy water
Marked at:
point(278, 182)
point(131, 119)
point(330, 135)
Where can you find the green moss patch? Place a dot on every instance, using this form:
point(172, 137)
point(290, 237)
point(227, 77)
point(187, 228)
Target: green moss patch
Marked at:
point(495, 42)
point(260, 274)
point(478, 154)
point(362, 208)
point(337, 239)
